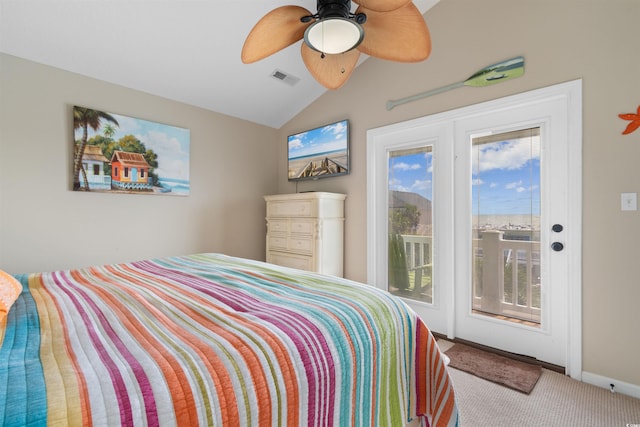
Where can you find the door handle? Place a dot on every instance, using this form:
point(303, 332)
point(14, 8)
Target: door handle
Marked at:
point(557, 246)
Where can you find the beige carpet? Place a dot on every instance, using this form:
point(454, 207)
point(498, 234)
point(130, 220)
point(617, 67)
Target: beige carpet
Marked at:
point(556, 401)
point(502, 370)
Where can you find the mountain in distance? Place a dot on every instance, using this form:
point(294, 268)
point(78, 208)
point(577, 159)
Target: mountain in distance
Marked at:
point(399, 199)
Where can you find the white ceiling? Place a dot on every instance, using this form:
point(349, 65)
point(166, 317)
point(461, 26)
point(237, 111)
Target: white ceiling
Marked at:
point(185, 50)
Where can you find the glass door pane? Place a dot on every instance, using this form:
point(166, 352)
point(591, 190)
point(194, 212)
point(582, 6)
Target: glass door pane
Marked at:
point(410, 192)
point(506, 225)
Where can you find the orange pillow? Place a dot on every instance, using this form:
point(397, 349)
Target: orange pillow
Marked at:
point(10, 290)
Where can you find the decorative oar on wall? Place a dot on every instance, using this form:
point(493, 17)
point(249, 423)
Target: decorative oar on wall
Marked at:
point(496, 73)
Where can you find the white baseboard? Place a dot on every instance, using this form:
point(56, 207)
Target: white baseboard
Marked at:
point(604, 382)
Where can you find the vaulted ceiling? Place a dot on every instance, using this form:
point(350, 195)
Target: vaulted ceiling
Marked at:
point(184, 50)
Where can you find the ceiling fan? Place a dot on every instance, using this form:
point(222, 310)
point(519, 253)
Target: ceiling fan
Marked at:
point(334, 37)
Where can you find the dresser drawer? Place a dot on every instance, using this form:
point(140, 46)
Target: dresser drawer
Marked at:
point(291, 226)
point(301, 244)
point(290, 260)
point(302, 227)
point(278, 241)
point(284, 242)
point(278, 225)
point(291, 208)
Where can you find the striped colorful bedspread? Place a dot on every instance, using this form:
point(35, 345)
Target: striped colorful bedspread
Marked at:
point(213, 340)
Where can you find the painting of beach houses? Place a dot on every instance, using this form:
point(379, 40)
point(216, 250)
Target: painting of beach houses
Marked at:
point(120, 154)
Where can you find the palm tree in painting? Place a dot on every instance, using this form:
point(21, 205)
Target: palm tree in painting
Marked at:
point(108, 130)
point(84, 118)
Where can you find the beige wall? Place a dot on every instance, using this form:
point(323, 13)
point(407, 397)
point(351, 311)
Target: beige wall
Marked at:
point(46, 226)
point(595, 40)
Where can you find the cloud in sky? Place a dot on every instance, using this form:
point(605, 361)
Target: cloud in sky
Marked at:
point(512, 185)
point(295, 143)
point(406, 166)
point(419, 185)
point(173, 160)
point(338, 130)
point(127, 125)
point(509, 155)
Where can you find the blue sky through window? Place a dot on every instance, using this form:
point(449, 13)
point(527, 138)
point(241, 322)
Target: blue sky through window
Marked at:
point(506, 176)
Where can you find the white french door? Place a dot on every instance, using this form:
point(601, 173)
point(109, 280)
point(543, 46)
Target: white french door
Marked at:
point(426, 258)
point(481, 206)
point(513, 293)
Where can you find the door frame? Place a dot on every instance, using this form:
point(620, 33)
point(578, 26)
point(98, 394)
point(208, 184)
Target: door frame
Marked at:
point(570, 94)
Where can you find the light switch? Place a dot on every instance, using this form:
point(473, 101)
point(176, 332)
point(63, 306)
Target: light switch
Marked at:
point(629, 201)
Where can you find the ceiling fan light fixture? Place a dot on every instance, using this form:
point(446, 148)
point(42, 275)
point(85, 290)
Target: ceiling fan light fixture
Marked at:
point(333, 35)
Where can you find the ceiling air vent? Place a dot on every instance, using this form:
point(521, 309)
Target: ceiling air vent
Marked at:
point(284, 77)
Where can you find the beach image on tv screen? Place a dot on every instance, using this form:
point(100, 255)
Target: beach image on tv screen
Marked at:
point(319, 152)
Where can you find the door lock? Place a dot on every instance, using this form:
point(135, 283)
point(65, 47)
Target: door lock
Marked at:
point(557, 246)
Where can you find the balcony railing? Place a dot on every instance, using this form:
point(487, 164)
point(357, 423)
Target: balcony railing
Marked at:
point(506, 279)
point(507, 276)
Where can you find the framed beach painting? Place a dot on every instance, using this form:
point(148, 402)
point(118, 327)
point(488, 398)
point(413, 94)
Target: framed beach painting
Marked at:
point(120, 154)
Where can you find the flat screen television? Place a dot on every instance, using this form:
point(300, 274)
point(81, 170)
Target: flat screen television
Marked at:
point(321, 152)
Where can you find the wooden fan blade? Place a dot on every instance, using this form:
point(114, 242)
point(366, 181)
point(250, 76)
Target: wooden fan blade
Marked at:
point(276, 30)
point(382, 5)
point(400, 35)
point(331, 71)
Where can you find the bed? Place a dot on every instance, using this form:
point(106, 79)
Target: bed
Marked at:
point(209, 339)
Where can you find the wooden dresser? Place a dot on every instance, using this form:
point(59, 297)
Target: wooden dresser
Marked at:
point(306, 231)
